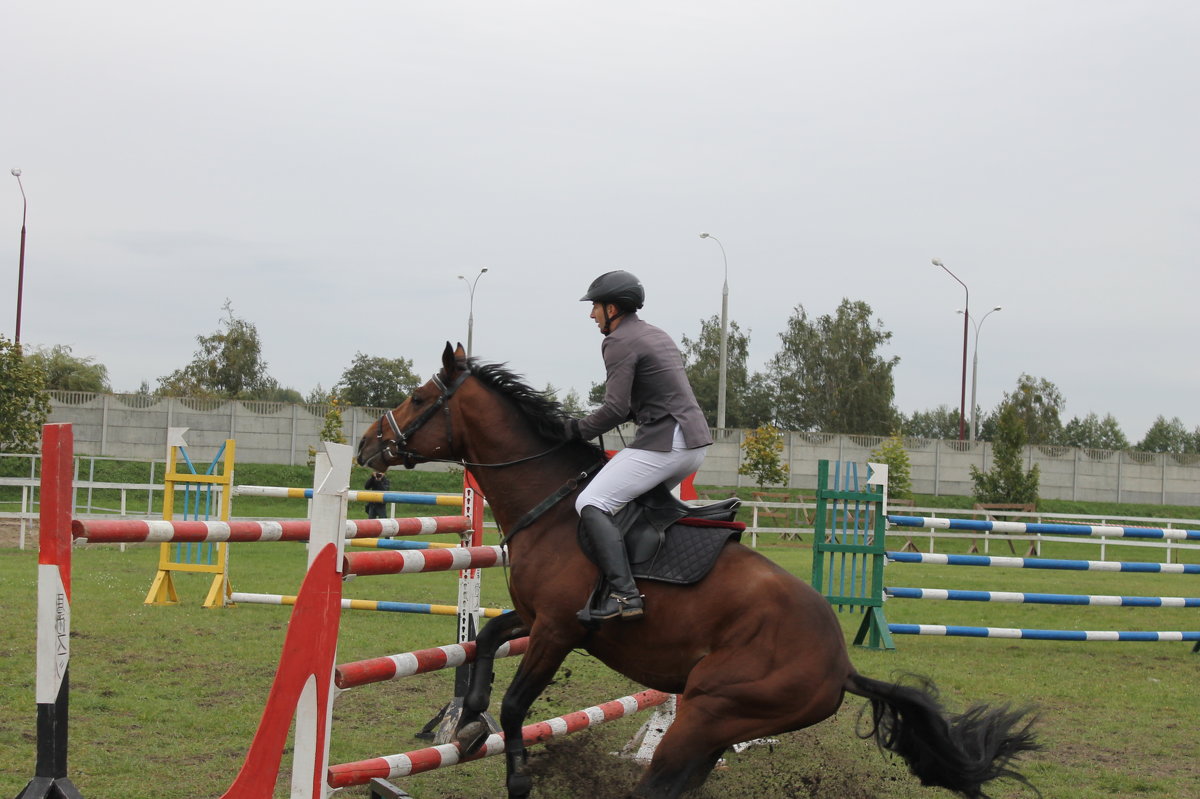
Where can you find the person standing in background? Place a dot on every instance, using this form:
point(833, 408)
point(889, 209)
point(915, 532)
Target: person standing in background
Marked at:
point(378, 481)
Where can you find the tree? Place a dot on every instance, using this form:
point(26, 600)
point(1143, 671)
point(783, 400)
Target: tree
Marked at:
point(828, 375)
point(758, 400)
point(278, 394)
point(940, 422)
point(893, 453)
point(1007, 482)
point(744, 395)
point(1038, 403)
point(1164, 436)
point(331, 431)
point(1092, 432)
point(65, 372)
point(24, 403)
point(374, 382)
point(571, 405)
point(228, 364)
point(318, 396)
point(596, 395)
point(760, 456)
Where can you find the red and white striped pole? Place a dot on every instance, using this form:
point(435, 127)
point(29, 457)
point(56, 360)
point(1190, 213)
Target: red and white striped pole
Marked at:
point(52, 686)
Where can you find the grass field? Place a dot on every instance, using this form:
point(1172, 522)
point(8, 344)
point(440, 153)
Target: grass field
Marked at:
point(171, 696)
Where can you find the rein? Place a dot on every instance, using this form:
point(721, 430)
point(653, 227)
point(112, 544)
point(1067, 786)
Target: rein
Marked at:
point(550, 501)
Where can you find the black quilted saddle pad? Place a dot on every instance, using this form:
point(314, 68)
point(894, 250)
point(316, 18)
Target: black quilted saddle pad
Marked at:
point(688, 551)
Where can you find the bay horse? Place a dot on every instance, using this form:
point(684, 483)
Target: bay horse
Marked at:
point(752, 650)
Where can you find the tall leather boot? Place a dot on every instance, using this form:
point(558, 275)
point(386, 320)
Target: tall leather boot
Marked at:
point(609, 547)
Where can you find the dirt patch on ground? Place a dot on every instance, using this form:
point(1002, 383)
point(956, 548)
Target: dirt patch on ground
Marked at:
point(579, 767)
point(10, 534)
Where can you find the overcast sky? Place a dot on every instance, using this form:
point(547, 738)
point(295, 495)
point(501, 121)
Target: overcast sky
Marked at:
point(332, 168)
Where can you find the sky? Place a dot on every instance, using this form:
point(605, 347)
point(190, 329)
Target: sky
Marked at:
point(331, 169)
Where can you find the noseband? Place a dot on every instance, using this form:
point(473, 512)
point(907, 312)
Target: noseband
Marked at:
point(398, 447)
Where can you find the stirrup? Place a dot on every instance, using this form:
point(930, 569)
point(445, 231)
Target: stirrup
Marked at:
point(632, 607)
point(614, 605)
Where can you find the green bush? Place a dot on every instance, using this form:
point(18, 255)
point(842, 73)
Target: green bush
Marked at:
point(761, 450)
point(1007, 481)
point(893, 453)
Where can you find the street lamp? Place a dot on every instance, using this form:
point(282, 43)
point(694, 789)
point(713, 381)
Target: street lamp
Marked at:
point(975, 368)
point(21, 263)
point(722, 369)
point(471, 314)
point(962, 405)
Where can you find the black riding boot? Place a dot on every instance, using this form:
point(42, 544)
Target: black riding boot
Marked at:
point(609, 547)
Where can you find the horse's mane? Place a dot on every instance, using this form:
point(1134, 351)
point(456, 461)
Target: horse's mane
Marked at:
point(542, 409)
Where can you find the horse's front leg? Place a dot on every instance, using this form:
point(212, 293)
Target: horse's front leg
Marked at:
point(472, 729)
point(537, 668)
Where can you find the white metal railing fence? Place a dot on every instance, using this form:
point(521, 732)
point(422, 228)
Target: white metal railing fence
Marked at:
point(24, 508)
point(85, 504)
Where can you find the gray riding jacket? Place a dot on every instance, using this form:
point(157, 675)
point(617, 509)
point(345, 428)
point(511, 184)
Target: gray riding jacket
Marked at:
point(646, 383)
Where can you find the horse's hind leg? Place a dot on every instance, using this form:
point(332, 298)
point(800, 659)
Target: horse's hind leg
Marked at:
point(686, 754)
point(472, 729)
point(706, 724)
point(667, 780)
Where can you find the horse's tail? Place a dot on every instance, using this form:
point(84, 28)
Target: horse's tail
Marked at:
point(958, 752)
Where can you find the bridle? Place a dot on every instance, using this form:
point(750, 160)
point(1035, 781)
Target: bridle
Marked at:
point(396, 449)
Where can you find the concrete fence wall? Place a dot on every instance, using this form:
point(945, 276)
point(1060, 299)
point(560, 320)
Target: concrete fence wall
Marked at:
point(135, 427)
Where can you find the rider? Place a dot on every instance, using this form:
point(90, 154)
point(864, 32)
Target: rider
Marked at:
point(646, 383)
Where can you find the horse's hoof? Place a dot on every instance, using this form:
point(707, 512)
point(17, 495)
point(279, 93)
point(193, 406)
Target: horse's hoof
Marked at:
point(471, 736)
point(519, 786)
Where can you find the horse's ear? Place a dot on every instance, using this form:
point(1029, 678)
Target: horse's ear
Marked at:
point(460, 354)
point(448, 360)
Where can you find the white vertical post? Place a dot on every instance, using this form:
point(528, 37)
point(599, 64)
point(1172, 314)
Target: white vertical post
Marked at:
point(877, 475)
point(470, 618)
point(327, 516)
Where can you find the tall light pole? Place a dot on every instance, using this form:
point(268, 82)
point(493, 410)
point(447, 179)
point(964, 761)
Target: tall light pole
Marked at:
point(722, 369)
point(471, 313)
point(962, 405)
point(975, 368)
point(21, 263)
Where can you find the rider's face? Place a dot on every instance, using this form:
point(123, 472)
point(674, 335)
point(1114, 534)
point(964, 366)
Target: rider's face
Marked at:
point(597, 314)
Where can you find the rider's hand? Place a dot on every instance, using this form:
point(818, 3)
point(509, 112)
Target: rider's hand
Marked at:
point(571, 429)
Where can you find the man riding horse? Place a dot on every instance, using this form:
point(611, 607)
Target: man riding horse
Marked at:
point(752, 650)
point(646, 383)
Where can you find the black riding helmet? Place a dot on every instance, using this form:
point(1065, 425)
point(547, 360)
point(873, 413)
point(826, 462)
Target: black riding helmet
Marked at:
point(621, 288)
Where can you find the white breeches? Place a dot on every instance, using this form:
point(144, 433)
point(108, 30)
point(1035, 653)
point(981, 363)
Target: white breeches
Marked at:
point(632, 472)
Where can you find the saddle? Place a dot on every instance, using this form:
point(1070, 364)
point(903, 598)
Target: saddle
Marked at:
point(669, 541)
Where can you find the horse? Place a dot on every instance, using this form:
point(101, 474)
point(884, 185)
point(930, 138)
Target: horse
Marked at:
point(752, 650)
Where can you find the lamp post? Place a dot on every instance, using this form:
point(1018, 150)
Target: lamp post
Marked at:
point(722, 369)
point(21, 262)
point(975, 368)
point(471, 313)
point(962, 405)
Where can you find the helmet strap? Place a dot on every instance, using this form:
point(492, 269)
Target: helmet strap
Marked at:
point(608, 320)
